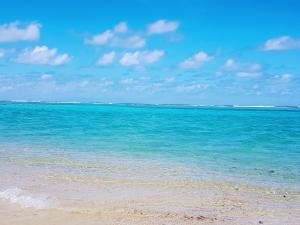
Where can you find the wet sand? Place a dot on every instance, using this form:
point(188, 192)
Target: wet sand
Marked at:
point(73, 192)
point(93, 200)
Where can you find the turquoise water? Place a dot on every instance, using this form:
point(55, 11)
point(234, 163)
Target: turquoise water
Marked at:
point(255, 145)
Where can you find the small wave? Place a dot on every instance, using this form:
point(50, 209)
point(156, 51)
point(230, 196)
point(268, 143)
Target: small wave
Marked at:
point(145, 104)
point(254, 106)
point(25, 101)
point(19, 196)
point(70, 102)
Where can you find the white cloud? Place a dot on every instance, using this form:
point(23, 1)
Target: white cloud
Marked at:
point(281, 84)
point(284, 78)
point(42, 55)
point(281, 43)
point(196, 61)
point(243, 69)
point(2, 53)
point(141, 57)
point(248, 74)
point(46, 76)
point(101, 39)
point(128, 81)
point(83, 83)
point(106, 83)
point(117, 37)
point(106, 59)
point(236, 66)
point(141, 84)
point(6, 88)
point(121, 27)
point(169, 80)
point(134, 41)
point(191, 87)
point(12, 32)
point(162, 26)
point(230, 64)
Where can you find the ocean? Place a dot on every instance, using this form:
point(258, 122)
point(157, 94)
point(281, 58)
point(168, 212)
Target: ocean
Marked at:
point(49, 147)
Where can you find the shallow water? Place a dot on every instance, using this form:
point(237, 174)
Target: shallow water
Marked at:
point(142, 164)
point(257, 145)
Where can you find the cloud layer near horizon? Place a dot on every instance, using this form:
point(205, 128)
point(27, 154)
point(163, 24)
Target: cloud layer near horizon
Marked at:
point(141, 66)
point(14, 32)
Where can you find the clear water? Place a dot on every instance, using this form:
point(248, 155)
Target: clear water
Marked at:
point(250, 145)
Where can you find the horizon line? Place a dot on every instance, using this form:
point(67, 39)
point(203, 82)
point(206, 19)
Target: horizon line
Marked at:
point(150, 104)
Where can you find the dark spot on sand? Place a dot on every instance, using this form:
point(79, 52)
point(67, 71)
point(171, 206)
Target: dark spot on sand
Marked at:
point(284, 196)
point(201, 217)
point(196, 217)
point(260, 222)
point(188, 217)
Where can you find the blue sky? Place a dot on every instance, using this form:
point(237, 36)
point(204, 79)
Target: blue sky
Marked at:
point(196, 52)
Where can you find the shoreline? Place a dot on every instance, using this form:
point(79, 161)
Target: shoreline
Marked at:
point(71, 199)
point(124, 165)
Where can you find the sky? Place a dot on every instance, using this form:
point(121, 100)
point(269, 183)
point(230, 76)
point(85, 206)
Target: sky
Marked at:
point(142, 51)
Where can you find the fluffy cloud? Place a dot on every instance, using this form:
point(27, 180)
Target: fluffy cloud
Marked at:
point(117, 37)
point(282, 84)
point(194, 87)
point(169, 80)
point(6, 88)
point(248, 74)
point(281, 43)
point(284, 78)
point(195, 61)
point(46, 76)
point(42, 55)
point(106, 59)
point(134, 41)
point(141, 57)
point(235, 66)
point(142, 84)
point(12, 32)
point(121, 28)
point(243, 69)
point(2, 53)
point(101, 39)
point(162, 26)
point(128, 81)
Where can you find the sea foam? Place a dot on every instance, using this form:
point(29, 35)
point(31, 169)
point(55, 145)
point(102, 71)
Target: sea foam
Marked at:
point(20, 197)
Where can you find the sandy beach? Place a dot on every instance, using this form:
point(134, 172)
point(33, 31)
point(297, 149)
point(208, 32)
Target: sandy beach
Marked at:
point(53, 199)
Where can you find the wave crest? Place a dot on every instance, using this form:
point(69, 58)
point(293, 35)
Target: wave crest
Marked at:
point(20, 197)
